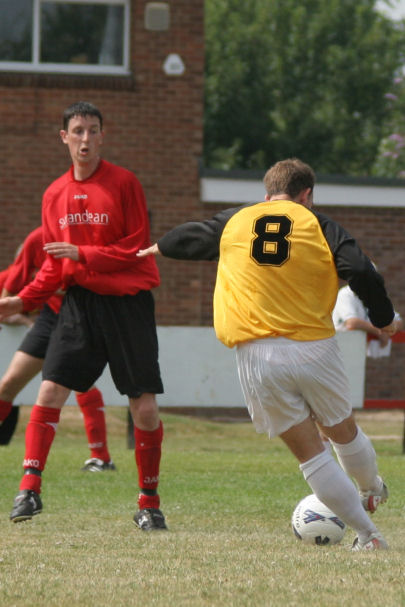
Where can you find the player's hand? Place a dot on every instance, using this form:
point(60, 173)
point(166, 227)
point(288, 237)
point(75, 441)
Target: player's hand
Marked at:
point(62, 249)
point(19, 319)
point(390, 329)
point(9, 306)
point(383, 338)
point(152, 250)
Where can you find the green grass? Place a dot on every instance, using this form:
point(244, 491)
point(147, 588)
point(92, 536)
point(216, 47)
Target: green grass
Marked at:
point(228, 495)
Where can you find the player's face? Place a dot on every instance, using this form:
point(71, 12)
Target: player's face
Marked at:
point(84, 138)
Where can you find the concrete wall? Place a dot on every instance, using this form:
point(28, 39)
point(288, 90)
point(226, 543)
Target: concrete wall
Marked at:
point(197, 370)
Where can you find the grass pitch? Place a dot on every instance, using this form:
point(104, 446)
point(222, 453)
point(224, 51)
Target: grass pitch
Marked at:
point(228, 495)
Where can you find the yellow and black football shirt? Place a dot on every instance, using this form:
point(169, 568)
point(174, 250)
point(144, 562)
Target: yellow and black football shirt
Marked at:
point(278, 269)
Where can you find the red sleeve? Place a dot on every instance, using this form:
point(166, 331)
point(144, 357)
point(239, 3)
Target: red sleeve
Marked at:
point(47, 280)
point(30, 259)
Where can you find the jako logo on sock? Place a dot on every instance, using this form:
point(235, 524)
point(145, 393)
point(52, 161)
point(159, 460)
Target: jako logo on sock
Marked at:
point(31, 463)
point(148, 480)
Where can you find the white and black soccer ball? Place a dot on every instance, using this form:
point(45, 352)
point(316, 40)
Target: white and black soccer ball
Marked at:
point(314, 523)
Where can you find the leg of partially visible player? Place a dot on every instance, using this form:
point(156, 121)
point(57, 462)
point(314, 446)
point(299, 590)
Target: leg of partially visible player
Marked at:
point(92, 407)
point(21, 370)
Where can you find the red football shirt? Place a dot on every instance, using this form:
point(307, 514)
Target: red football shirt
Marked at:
point(29, 260)
point(106, 216)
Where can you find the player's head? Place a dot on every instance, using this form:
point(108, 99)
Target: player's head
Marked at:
point(81, 108)
point(83, 135)
point(291, 177)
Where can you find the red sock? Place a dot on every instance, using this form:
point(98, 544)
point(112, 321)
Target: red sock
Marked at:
point(5, 408)
point(148, 449)
point(39, 436)
point(92, 406)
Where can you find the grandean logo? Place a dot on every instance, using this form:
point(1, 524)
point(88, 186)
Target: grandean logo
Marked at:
point(86, 217)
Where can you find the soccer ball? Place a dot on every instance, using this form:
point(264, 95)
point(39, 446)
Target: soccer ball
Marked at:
point(314, 523)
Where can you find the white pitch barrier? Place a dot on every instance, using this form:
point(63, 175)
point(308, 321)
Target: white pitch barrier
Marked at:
point(197, 370)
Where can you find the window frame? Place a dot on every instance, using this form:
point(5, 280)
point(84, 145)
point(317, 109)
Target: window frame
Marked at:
point(69, 68)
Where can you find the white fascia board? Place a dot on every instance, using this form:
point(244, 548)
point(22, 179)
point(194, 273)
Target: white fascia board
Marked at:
point(235, 191)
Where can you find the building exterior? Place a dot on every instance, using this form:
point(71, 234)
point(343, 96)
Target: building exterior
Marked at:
point(153, 109)
point(142, 63)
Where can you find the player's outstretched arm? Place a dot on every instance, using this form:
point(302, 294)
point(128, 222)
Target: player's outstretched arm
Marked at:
point(9, 306)
point(152, 250)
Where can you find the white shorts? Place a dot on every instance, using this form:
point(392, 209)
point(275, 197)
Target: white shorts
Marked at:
point(284, 381)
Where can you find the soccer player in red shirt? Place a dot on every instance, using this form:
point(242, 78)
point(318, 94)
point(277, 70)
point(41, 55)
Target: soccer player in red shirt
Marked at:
point(27, 361)
point(94, 219)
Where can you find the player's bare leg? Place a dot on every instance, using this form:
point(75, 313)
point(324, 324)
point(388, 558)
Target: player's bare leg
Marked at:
point(21, 370)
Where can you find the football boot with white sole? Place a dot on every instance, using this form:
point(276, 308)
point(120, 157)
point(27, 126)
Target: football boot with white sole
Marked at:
point(97, 465)
point(372, 500)
point(374, 542)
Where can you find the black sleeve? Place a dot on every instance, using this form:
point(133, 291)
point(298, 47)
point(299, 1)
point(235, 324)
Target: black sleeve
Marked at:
point(356, 268)
point(196, 240)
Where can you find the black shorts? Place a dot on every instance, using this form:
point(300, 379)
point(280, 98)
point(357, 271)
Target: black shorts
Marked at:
point(93, 330)
point(36, 341)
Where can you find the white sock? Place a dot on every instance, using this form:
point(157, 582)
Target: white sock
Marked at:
point(335, 489)
point(358, 460)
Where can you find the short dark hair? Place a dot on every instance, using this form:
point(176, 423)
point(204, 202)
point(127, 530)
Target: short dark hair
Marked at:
point(290, 177)
point(81, 108)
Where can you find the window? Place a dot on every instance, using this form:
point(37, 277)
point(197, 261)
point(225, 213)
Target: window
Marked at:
point(78, 36)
